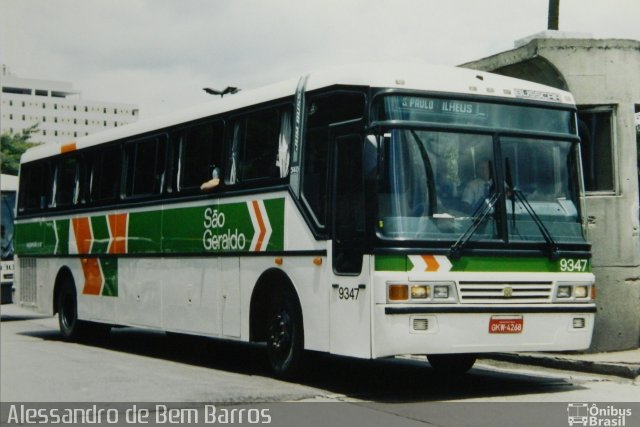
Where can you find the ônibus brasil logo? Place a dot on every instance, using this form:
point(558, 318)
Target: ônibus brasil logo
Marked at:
point(593, 415)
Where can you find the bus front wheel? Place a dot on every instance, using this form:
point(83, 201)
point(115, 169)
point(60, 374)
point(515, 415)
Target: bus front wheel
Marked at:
point(285, 341)
point(455, 364)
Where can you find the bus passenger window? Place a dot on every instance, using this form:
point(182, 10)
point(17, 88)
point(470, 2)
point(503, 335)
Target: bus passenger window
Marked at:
point(145, 167)
point(105, 168)
point(66, 188)
point(200, 155)
point(254, 151)
point(35, 182)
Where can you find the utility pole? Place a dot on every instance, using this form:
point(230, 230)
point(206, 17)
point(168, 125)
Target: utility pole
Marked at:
point(554, 15)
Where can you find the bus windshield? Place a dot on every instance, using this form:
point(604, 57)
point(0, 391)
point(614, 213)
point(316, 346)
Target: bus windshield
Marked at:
point(436, 185)
point(8, 203)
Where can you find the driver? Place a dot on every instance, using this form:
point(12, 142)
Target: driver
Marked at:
point(479, 188)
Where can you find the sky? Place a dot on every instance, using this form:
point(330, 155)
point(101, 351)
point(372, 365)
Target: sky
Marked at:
point(159, 54)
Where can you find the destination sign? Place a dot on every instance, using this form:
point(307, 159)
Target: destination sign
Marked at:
point(475, 113)
point(443, 106)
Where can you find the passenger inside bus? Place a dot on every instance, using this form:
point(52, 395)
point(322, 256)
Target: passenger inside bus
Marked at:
point(214, 181)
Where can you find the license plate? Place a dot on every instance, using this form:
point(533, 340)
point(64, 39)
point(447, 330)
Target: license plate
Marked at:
point(506, 325)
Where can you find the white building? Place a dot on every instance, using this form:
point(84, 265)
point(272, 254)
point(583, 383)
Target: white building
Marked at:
point(57, 108)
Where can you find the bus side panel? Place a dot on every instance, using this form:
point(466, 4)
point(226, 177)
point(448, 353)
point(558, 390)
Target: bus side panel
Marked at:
point(230, 301)
point(140, 291)
point(190, 300)
point(312, 288)
point(40, 297)
point(93, 304)
point(350, 313)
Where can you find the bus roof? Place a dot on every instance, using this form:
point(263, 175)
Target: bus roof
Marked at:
point(8, 182)
point(398, 76)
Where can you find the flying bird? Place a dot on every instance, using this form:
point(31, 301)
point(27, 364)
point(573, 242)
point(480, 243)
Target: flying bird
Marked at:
point(229, 89)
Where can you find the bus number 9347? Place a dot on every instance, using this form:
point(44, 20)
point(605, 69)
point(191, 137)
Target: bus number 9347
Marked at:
point(573, 265)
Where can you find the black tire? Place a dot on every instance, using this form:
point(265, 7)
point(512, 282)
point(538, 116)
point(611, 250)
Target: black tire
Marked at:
point(452, 364)
point(285, 335)
point(71, 328)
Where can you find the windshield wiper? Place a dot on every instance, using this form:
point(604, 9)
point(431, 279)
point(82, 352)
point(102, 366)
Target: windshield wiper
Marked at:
point(478, 218)
point(553, 246)
point(516, 193)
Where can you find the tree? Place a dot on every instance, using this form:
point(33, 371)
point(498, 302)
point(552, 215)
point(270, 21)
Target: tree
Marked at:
point(12, 148)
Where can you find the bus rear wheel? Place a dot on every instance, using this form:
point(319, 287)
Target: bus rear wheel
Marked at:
point(285, 341)
point(71, 327)
point(453, 364)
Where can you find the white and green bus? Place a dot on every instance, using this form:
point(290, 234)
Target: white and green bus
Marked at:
point(361, 211)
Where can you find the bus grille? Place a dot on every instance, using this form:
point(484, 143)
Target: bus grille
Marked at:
point(28, 282)
point(517, 293)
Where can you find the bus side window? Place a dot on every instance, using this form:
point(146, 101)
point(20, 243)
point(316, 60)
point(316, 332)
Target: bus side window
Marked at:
point(103, 175)
point(254, 146)
point(67, 182)
point(35, 186)
point(200, 151)
point(145, 163)
point(322, 111)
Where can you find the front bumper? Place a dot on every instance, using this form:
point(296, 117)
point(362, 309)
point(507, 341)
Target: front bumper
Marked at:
point(422, 329)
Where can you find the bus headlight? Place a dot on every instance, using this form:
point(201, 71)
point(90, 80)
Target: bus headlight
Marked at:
point(564, 292)
point(575, 292)
point(419, 292)
point(441, 292)
point(581, 291)
point(422, 292)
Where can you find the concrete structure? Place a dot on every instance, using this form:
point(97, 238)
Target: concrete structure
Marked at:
point(57, 108)
point(604, 77)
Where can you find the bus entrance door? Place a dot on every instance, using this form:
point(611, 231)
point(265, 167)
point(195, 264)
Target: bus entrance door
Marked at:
point(350, 308)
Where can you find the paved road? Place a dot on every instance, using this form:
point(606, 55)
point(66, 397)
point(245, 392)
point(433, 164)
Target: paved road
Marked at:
point(136, 365)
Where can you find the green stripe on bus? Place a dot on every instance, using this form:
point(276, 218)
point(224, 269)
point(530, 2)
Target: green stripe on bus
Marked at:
point(62, 230)
point(110, 272)
point(28, 238)
point(275, 210)
point(145, 232)
point(391, 263)
point(504, 264)
point(492, 264)
point(49, 241)
point(182, 230)
point(100, 235)
point(200, 229)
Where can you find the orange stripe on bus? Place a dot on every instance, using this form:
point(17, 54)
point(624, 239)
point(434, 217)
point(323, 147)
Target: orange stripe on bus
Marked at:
point(431, 262)
point(82, 231)
point(92, 276)
point(67, 148)
point(263, 229)
point(118, 227)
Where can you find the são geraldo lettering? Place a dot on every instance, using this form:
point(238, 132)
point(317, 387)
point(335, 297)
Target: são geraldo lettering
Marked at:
point(216, 238)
